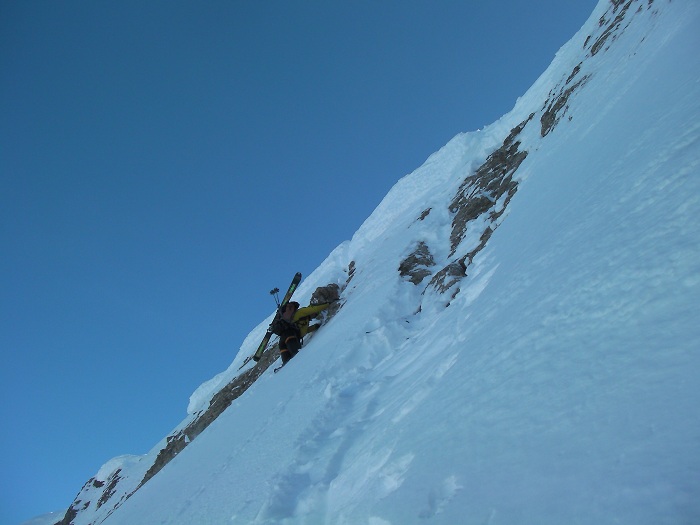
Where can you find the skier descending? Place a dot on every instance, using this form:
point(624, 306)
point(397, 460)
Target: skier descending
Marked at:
point(293, 325)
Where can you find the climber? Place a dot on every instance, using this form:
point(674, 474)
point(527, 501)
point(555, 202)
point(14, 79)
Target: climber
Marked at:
point(294, 325)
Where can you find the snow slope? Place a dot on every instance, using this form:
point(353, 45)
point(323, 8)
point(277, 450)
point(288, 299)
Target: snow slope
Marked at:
point(546, 366)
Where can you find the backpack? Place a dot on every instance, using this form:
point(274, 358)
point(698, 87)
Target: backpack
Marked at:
point(279, 325)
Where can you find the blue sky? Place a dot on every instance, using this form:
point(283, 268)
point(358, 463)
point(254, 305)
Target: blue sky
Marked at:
point(163, 165)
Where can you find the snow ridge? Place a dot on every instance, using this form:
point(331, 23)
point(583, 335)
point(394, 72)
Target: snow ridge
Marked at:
point(517, 340)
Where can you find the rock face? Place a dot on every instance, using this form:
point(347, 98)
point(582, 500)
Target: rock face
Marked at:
point(417, 265)
point(478, 206)
point(475, 211)
point(480, 201)
point(327, 294)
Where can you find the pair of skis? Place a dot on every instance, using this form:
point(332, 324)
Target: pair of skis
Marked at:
point(266, 339)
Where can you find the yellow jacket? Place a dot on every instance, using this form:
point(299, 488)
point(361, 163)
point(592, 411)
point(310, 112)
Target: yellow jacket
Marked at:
point(303, 316)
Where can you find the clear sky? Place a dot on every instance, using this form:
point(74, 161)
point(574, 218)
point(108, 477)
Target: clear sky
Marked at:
point(163, 165)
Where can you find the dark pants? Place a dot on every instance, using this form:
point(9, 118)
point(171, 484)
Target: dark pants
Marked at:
point(289, 345)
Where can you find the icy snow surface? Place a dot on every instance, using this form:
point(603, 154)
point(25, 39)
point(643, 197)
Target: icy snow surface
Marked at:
point(562, 383)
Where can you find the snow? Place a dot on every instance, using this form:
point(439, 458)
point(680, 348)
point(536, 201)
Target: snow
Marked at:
point(560, 385)
point(114, 464)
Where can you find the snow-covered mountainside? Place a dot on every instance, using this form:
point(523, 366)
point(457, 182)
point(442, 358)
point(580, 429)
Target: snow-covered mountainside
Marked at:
point(517, 340)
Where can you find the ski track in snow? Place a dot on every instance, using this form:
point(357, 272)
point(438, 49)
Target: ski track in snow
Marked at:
point(318, 477)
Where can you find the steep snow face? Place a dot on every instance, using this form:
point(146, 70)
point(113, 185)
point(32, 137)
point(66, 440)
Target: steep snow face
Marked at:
point(518, 341)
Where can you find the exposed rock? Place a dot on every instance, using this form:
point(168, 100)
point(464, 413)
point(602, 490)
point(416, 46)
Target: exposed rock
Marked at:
point(449, 276)
point(416, 265)
point(327, 294)
point(70, 515)
point(557, 105)
point(613, 26)
point(619, 9)
point(484, 195)
point(480, 193)
point(111, 488)
point(574, 73)
point(351, 272)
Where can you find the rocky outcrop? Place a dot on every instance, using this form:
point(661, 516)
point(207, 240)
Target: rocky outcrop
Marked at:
point(476, 211)
point(483, 196)
point(416, 266)
point(488, 191)
point(557, 104)
point(327, 294)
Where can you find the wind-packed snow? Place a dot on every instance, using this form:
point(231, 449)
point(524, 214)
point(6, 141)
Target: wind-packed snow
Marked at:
point(560, 385)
